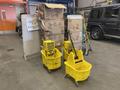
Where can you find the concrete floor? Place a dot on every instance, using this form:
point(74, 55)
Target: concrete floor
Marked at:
point(17, 74)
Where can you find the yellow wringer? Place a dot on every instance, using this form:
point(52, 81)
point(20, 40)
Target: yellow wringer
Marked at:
point(51, 56)
point(67, 49)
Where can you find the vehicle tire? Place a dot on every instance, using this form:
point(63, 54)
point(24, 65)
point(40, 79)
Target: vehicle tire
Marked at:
point(96, 33)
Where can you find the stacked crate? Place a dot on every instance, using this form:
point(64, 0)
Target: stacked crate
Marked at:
point(75, 26)
point(53, 21)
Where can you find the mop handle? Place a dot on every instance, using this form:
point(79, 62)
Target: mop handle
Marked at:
point(72, 44)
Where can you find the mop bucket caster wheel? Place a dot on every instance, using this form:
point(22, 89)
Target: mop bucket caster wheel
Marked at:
point(49, 71)
point(76, 84)
point(66, 75)
point(87, 53)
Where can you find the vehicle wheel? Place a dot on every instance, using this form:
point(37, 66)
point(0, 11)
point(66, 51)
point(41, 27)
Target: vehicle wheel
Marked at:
point(96, 33)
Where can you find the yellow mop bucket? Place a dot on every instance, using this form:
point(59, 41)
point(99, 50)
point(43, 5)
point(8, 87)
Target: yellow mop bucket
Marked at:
point(51, 62)
point(78, 69)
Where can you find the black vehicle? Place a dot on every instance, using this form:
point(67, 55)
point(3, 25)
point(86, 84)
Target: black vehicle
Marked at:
point(104, 21)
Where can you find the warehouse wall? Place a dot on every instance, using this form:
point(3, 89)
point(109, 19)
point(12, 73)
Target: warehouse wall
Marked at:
point(7, 17)
point(10, 11)
point(86, 3)
point(19, 9)
point(12, 1)
point(8, 23)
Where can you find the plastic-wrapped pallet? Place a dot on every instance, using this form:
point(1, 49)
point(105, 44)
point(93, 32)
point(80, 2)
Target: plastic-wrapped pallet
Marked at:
point(51, 11)
point(52, 16)
point(54, 30)
point(75, 25)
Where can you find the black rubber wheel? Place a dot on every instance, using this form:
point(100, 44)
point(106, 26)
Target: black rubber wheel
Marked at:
point(76, 84)
point(96, 33)
point(20, 31)
point(66, 75)
point(49, 71)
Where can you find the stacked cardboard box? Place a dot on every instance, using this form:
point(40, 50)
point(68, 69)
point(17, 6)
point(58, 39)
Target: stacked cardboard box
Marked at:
point(75, 26)
point(52, 16)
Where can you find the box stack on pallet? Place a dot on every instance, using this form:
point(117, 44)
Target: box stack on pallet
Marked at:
point(75, 26)
point(52, 16)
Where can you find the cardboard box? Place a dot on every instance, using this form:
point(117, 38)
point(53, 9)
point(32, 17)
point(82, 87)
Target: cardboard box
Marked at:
point(51, 11)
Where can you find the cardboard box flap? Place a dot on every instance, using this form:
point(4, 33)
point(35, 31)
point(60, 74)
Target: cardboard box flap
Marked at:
point(59, 6)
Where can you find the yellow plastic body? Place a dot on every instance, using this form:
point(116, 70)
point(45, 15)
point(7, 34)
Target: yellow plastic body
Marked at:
point(52, 62)
point(78, 69)
point(67, 47)
point(48, 45)
point(66, 54)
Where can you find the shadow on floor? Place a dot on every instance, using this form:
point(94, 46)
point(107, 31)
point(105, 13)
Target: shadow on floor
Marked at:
point(110, 40)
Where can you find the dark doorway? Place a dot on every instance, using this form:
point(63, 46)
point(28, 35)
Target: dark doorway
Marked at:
point(76, 3)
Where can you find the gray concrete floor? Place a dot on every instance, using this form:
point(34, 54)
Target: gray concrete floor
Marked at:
point(17, 74)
